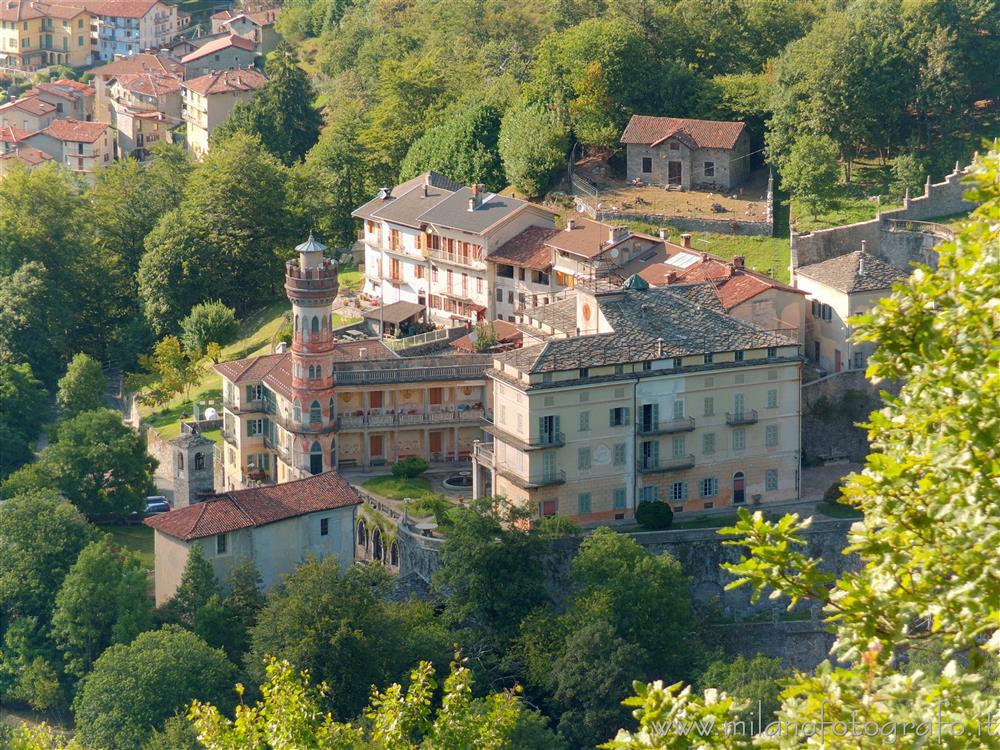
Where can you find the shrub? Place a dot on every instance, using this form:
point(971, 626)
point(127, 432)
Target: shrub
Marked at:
point(833, 492)
point(409, 468)
point(558, 526)
point(654, 515)
point(206, 323)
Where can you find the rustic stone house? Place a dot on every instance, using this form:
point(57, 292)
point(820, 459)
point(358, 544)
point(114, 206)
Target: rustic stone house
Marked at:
point(688, 154)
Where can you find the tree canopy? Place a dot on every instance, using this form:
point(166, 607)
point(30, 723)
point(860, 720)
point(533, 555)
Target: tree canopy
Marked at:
point(82, 388)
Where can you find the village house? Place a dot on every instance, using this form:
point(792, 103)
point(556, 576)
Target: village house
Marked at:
point(225, 53)
point(209, 99)
point(29, 113)
point(428, 241)
point(640, 394)
point(11, 137)
point(28, 157)
point(73, 100)
point(686, 154)
point(745, 294)
point(145, 107)
point(276, 527)
point(35, 34)
point(328, 404)
point(258, 27)
point(81, 147)
point(837, 289)
point(127, 27)
point(106, 75)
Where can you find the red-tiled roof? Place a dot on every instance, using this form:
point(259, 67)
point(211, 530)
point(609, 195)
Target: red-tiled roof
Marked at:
point(647, 130)
point(527, 250)
point(257, 506)
point(76, 131)
point(31, 104)
point(28, 155)
point(123, 8)
point(150, 83)
point(26, 10)
point(10, 134)
point(217, 45)
point(261, 17)
point(224, 81)
point(507, 333)
point(139, 64)
point(76, 85)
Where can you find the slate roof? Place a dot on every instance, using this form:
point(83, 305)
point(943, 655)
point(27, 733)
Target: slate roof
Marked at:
point(845, 273)
point(439, 188)
point(217, 45)
point(257, 506)
point(395, 312)
point(638, 318)
point(560, 315)
point(651, 131)
point(453, 212)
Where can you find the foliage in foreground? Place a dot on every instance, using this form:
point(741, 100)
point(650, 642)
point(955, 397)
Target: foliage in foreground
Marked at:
point(930, 493)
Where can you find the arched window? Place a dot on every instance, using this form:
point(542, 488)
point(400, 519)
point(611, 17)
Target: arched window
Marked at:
point(199, 461)
point(315, 413)
point(296, 323)
point(739, 488)
point(316, 458)
point(180, 462)
point(377, 545)
point(394, 555)
point(315, 326)
point(362, 534)
point(296, 411)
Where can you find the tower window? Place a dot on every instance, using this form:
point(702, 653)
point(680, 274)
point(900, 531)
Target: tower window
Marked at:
point(315, 412)
point(199, 461)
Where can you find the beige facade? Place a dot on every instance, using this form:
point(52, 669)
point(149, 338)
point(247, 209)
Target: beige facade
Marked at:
point(34, 35)
point(81, 147)
point(209, 100)
point(827, 331)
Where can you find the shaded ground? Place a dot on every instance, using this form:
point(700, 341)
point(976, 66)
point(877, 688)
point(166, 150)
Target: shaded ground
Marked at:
point(137, 537)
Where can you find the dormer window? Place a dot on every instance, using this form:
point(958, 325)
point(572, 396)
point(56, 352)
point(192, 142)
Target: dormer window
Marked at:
point(674, 146)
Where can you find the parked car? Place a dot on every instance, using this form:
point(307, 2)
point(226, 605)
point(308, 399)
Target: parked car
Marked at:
point(155, 504)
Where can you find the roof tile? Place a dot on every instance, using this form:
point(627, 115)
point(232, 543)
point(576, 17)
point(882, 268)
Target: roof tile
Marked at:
point(648, 130)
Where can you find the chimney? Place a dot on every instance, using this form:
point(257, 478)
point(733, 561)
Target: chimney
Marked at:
point(861, 265)
point(670, 278)
point(738, 261)
point(686, 239)
point(570, 224)
point(425, 190)
point(659, 348)
point(864, 246)
point(617, 233)
point(663, 233)
point(475, 190)
point(362, 353)
point(472, 204)
point(704, 256)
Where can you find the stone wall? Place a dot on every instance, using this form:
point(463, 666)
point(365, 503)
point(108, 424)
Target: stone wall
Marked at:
point(163, 452)
point(683, 224)
point(939, 199)
point(800, 644)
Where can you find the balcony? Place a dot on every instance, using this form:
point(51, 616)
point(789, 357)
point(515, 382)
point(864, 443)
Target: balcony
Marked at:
point(229, 435)
point(257, 406)
point(549, 440)
point(457, 259)
point(673, 463)
point(538, 442)
point(740, 418)
point(664, 427)
point(547, 479)
point(277, 447)
point(483, 454)
point(403, 419)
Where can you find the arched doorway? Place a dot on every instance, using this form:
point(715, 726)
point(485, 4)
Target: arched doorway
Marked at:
point(739, 488)
point(394, 555)
point(377, 545)
point(316, 458)
point(362, 534)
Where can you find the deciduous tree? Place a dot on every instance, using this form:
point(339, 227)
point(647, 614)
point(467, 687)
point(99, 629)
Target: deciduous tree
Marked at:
point(23, 408)
point(533, 143)
point(82, 388)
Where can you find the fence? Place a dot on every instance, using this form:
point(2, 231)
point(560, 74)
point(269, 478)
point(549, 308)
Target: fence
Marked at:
point(431, 337)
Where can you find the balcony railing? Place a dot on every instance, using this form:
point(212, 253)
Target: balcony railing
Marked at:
point(483, 454)
point(665, 426)
point(404, 419)
point(410, 374)
point(255, 406)
point(546, 479)
point(549, 439)
point(457, 259)
point(673, 463)
point(739, 418)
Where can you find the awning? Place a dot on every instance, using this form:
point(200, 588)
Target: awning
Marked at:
point(395, 312)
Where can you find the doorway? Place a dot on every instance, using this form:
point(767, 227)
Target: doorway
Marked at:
point(739, 488)
point(673, 173)
point(316, 458)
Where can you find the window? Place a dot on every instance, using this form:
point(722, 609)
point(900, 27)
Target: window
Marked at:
point(772, 398)
point(859, 360)
point(619, 498)
point(255, 427)
point(709, 487)
point(678, 409)
point(647, 366)
point(771, 436)
point(678, 361)
point(708, 443)
point(709, 358)
point(816, 309)
point(324, 527)
point(739, 440)
point(584, 421)
point(772, 352)
point(499, 294)
point(679, 491)
point(827, 313)
point(619, 416)
point(677, 446)
point(738, 356)
point(619, 454)
point(710, 169)
point(199, 461)
point(674, 147)
point(584, 503)
point(583, 459)
point(771, 480)
point(650, 418)
point(647, 165)
point(315, 412)
point(296, 411)
point(546, 377)
point(547, 508)
point(584, 373)
point(649, 494)
point(221, 544)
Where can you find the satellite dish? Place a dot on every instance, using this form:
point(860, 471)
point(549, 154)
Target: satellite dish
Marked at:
point(211, 413)
point(580, 208)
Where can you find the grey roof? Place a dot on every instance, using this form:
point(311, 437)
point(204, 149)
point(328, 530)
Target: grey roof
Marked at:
point(437, 183)
point(191, 439)
point(640, 318)
point(845, 272)
point(453, 212)
point(395, 312)
point(561, 314)
point(311, 245)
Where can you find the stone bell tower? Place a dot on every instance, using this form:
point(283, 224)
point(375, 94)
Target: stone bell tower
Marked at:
point(194, 469)
point(311, 285)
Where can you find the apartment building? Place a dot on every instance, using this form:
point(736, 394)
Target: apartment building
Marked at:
point(428, 241)
point(258, 27)
point(837, 289)
point(642, 394)
point(34, 34)
point(209, 99)
point(81, 147)
point(128, 27)
point(533, 267)
point(27, 157)
point(145, 107)
point(106, 75)
point(225, 53)
point(327, 404)
point(73, 100)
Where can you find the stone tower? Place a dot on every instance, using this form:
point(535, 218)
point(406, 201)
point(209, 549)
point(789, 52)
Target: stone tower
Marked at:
point(194, 469)
point(311, 286)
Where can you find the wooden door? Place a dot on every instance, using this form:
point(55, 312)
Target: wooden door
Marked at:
point(436, 442)
point(376, 446)
point(673, 173)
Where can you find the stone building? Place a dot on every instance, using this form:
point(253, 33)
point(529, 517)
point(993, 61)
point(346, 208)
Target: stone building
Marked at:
point(226, 53)
point(194, 463)
point(329, 404)
point(275, 527)
point(642, 394)
point(687, 154)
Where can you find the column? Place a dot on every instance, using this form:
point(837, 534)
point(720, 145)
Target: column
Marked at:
point(455, 453)
point(477, 479)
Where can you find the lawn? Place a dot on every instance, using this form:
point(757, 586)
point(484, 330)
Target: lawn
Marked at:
point(351, 280)
point(399, 488)
point(136, 537)
point(868, 193)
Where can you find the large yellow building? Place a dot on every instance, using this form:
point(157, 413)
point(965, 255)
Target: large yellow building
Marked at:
point(328, 404)
point(642, 394)
point(34, 34)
